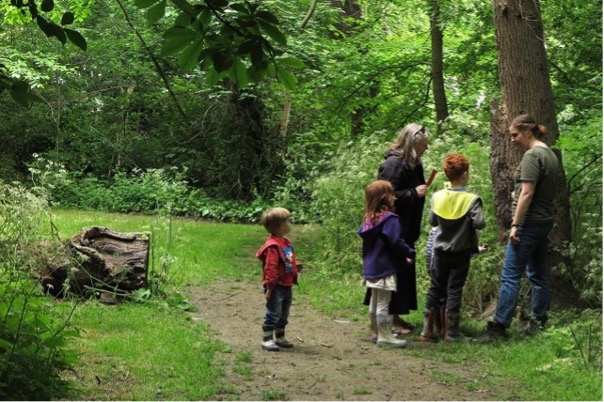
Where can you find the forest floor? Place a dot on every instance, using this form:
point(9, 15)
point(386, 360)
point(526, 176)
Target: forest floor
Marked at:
point(332, 359)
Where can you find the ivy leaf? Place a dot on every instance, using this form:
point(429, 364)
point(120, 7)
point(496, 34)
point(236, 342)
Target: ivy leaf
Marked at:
point(76, 38)
point(156, 12)
point(273, 32)
point(67, 18)
point(189, 57)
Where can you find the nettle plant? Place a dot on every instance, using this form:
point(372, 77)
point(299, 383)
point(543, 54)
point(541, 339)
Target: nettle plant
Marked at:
point(33, 331)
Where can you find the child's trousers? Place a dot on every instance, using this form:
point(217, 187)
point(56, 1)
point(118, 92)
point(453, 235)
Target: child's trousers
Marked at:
point(277, 308)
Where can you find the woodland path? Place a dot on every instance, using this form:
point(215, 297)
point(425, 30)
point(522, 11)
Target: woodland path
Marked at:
point(332, 358)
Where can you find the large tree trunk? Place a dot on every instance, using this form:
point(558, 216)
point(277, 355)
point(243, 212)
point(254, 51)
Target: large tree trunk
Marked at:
point(525, 88)
point(96, 260)
point(438, 81)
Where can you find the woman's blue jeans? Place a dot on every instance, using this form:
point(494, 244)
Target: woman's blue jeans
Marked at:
point(277, 308)
point(528, 256)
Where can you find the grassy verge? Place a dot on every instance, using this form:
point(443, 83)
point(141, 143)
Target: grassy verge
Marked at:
point(151, 351)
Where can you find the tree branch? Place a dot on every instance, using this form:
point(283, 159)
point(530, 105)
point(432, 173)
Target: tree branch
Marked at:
point(160, 71)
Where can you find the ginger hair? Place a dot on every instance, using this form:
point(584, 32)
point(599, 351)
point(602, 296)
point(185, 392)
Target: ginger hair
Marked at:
point(455, 165)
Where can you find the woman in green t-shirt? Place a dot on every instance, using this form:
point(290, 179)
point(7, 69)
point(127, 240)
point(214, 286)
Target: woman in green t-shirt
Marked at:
point(533, 217)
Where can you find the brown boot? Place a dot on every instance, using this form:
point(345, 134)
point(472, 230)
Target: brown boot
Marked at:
point(453, 332)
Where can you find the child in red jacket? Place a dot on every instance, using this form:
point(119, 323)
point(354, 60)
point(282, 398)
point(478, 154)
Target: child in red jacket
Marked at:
point(279, 273)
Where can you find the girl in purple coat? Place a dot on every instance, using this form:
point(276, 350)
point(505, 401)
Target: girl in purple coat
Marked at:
point(385, 255)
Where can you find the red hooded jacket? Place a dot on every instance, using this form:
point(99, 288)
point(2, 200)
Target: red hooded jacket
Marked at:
point(279, 265)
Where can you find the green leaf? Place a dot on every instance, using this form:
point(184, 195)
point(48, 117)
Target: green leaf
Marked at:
point(184, 5)
point(47, 5)
point(144, 3)
point(222, 61)
point(273, 32)
point(67, 18)
point(239, 74)
point(178, 38)
point(76, 38)
point(292, 62)
point(257, 54)
point(256, 73)
point(205, 17)
point(4, 344)
point(156, 12)
point(183, 20)
point(189, 58)
point(288, 80)
point(266, 16)
point(240, 8)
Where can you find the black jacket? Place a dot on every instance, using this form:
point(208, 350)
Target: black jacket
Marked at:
point(408, 206)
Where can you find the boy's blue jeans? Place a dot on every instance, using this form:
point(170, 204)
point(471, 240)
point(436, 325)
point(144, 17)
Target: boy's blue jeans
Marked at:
point(528, 256)
point(277, 308)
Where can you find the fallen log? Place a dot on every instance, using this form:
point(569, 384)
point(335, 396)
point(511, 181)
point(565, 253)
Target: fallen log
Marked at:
point(95, 261)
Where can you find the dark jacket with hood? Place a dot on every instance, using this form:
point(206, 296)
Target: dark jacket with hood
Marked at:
point(384, 251)
point(408, 205)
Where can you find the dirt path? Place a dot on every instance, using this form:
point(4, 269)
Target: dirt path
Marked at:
point(331, 360)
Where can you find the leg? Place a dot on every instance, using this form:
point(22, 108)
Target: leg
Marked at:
point(271, 317)
point(460, 265)
point(286, 302)
point(516, 259)
point(384, 319)
point(538, 275)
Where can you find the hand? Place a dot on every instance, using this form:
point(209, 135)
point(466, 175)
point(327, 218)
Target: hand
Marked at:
point(514, 237)
point(421, 190)
point(268, 294)
point(299, 267)
point(483, 248)
point(409, 261)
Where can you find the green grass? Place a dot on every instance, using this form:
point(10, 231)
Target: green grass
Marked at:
point(154, 352)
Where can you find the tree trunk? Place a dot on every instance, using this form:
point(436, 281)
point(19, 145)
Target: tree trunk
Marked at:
point(438, 82)
point(525, 88)
point(94, 260)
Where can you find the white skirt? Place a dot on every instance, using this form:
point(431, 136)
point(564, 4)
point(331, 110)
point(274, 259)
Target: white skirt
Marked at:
point(386, 283)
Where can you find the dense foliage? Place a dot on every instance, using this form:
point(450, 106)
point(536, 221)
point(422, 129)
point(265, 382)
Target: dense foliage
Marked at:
point(34, 334)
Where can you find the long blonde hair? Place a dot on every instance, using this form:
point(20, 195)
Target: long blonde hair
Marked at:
point(406, 140)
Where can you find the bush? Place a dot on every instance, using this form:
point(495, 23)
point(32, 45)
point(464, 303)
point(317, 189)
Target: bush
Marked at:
point(33, 336)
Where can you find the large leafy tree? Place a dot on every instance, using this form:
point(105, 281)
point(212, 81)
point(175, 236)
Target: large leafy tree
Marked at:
point(526, 88)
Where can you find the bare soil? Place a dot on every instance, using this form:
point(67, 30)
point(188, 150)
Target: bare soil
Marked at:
point(332, 359)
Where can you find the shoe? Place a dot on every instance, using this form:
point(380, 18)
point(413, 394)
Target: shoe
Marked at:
point(533, 327)
point(271, 346)
point(495, 331)
point(280, 339)
point(284, 343)
point(392, 343)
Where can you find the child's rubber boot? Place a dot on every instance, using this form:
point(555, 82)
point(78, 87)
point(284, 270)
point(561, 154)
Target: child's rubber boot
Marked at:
point(453, 333)
point(267, 340)
point(385, 336)
point(280, 339)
